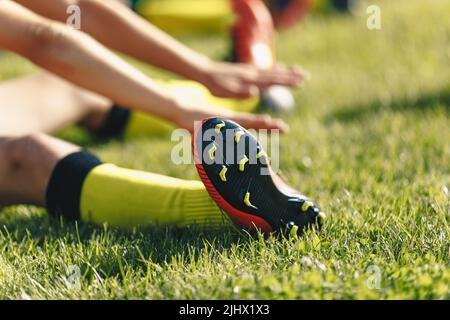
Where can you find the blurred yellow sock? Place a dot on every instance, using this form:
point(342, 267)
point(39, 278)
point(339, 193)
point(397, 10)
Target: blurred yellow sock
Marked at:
point(141, 124)
point(188, 16)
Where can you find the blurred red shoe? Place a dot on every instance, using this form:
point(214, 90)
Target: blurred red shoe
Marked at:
point(253, 34)
point(286, 13)
point(253, 43)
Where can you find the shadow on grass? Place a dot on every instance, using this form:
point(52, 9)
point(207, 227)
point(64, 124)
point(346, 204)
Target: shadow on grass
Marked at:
point(360, 111)
point(88, 139)
point(135, 249)
point(83, 137)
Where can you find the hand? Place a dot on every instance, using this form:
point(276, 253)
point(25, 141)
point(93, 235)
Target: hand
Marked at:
point(243, 81)
point(187, 117)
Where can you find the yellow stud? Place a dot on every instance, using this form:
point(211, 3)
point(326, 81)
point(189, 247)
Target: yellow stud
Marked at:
point(219, 126)
point(322, 217)
point(247, 200)
point(260, 154)
point(306, 205)
point(212, 152)
point(238, 135)
point(222, 173)
point(293, 231)
point(242, 163)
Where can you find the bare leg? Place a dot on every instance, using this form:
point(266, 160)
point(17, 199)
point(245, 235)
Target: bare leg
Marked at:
point(26, 164)
point(44, 103)
point(32, 107)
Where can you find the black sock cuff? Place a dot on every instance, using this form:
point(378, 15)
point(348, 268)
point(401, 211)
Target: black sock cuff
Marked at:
point(66, 183)
point(115, 122)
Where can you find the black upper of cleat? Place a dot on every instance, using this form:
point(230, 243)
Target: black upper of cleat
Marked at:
point(246, 188)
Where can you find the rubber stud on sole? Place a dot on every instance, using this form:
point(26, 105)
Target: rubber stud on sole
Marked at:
point(294, 231)
point(219, 127)
point(238, 135)
point(247, 200)
point(261, 154)
point(321, 217)
point(306, 205)
point(222, 173)
point(242, 163)
point(212, 152)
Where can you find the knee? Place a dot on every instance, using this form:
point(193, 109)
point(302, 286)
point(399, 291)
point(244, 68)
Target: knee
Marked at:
point(36, 153)
point(30, 141)
point(22, 150)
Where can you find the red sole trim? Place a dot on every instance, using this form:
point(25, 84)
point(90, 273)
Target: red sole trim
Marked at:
point(240, 218)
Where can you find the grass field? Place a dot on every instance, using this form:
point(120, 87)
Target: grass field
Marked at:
point(370, 141)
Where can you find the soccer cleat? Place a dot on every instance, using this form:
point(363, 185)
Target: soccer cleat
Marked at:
point(243, 184)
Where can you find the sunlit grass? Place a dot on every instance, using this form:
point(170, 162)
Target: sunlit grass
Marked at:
point(370, 141)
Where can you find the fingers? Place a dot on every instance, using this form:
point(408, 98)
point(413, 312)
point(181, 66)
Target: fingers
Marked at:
point(261, 122)
point(294, 71)
point(279, 75)
point(234, 89)
point(292, 77)
point(244, 81)
point(243, 91)
point(247, 120)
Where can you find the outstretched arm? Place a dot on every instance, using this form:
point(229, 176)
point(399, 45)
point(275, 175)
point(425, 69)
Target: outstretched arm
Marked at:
point(119, 28)
point(80, 59)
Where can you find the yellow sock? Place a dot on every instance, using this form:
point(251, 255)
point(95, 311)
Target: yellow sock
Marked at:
point(129, 198)
point(188, 16)
point(141, 124)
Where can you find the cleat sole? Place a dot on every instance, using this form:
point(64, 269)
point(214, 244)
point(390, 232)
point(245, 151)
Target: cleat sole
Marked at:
point(272, 204)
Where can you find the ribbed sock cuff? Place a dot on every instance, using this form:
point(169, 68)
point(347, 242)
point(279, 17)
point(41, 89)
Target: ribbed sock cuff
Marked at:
point(66, 183)
point(200, 210)
point(115, 123)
